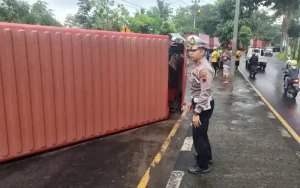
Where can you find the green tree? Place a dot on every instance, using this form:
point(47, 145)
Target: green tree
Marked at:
point(163, 9)
point(119, 17)
point(286, 10)
point(141, 11)
point(263, 26)
point(259, 21)
point(15, 11)
point(83, 17)
point(245, 35)
point(43, 15)
point(101, 16)
point(144, 24)
point(18, 11)
point(183, 21)
point(225, 11)
point(166, 28)
point(294, 32)
point(70, 21)
point(208, 19)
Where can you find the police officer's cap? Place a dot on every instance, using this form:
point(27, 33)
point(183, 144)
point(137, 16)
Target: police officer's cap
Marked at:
point(195, 43)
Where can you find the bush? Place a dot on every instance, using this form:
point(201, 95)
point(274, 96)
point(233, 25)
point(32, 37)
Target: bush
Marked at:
point(281, 56)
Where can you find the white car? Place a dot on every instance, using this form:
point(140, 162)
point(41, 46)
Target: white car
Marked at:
point(262, 59)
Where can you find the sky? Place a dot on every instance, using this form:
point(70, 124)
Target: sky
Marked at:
point(63, 7)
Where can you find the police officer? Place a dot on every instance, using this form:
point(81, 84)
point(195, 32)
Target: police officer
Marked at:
point(202, 103)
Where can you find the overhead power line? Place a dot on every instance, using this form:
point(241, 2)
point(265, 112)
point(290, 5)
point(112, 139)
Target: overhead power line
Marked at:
point(133, 4)
point(173, 3)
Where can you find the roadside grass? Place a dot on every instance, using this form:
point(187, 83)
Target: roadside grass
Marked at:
point(282, 57)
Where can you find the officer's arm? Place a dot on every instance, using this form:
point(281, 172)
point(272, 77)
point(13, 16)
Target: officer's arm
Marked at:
point(206, 79)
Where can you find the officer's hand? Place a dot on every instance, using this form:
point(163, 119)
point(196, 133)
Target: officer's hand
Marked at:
point(189, 106)
point(196, 121)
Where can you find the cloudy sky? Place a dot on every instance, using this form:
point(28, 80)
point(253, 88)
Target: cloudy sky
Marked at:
point(63, 7)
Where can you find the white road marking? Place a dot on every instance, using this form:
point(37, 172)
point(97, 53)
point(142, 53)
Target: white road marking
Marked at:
point(283, 132)
point(271, 115)
point(261, 103)
point(255, 94)
point(187, 144)
point(175, 179)
point(298, 153)
point(236, 122)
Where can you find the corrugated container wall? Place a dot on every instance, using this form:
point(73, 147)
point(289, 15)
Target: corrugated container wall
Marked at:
point(60, 86)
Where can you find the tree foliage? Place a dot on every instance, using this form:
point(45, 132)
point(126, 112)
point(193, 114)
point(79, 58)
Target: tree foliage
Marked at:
point(106, 15)
point(245, 35)
point(183, 20)
point(19, 11)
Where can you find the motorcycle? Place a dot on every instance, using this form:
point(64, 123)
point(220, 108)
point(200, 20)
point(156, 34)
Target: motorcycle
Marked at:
point(293, 86)
point(253, 71)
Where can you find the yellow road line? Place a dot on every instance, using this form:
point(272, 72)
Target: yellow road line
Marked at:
point(144, 181)
point(287, 126)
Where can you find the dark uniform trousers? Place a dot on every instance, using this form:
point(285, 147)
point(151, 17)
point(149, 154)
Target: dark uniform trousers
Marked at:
point(200, 138)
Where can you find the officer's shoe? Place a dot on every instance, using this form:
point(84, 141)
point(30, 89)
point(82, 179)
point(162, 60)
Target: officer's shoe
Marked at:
point(197, 170)
point(210, 162)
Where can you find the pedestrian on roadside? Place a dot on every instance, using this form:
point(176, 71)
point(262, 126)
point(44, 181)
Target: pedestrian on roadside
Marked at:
point(214, 61)
point(202, 103)
point(226, 65)
point(221, 61)
point(207, 54)
point(238, 55)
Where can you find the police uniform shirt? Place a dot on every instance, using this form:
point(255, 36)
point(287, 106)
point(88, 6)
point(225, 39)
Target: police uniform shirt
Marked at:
point(201, 85)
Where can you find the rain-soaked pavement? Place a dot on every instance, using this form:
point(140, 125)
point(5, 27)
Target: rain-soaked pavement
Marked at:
point(270, 85)
point(117, 161)
point(250, 148)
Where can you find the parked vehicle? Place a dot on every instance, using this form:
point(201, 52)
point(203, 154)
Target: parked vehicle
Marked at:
point(269, 52)
point(262, 59)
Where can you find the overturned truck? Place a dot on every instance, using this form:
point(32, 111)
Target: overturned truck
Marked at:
point(60, 86)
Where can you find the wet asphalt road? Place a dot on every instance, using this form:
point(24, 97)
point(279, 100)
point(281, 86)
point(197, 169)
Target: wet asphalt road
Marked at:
point(114, 161)
point(270, 85)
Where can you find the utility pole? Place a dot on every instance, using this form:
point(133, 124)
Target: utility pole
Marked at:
point(195, 3)
point(235, 34)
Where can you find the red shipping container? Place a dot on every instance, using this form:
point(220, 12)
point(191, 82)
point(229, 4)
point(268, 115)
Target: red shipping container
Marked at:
point(60, 86)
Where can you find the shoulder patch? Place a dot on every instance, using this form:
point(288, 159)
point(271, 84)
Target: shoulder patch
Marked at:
point(203, 74)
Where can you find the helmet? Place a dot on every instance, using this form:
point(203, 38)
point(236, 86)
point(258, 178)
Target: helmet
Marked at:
point(194, 43)
point(293, 62)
